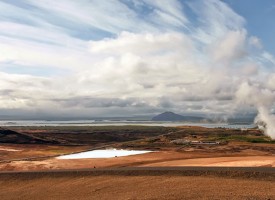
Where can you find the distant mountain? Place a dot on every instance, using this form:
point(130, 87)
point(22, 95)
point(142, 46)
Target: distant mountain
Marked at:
point(170, 116)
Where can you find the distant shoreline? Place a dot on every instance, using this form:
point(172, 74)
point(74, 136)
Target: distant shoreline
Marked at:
point(39, 123)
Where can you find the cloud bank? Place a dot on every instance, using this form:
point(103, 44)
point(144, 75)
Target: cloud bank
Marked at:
point(124, 58)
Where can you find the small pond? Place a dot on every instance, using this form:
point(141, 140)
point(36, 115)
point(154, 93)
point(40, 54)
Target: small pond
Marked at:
point(107, 153)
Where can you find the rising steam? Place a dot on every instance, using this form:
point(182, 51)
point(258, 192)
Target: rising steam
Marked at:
point(266, 121)
point(262, 99)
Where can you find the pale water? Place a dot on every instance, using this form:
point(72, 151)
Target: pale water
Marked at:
point(108, 153)
point(118, 123)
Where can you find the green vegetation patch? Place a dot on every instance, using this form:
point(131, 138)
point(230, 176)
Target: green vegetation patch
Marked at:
point(244, 138)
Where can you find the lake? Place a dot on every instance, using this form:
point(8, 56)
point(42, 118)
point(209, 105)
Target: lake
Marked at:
point(117, 123)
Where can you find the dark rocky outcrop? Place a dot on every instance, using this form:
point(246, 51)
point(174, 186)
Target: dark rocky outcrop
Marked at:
point(9, 136)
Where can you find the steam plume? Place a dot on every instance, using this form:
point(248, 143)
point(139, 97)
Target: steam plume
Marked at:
point(262, 99)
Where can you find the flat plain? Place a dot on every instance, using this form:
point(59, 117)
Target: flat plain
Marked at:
point(30, 168)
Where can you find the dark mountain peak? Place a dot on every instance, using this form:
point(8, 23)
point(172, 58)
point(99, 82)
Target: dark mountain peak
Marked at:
point(168, 113)
point(170, 116)
point(167, 116)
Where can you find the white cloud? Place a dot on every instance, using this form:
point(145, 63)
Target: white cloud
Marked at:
point(173, 8)
point(215, 18)
point(271, 82)
point(269, 57)
point(250, 69)
point(255, 41)
point(110, 16)
point(230, 47)
point(136, 65)
point(168, 12)
point(146, 43)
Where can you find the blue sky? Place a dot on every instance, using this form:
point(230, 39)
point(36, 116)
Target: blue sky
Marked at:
point(94, 58)
point(259, 17)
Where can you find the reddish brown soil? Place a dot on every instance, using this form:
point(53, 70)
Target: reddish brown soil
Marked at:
point(159, 186)
point(133, 187)
point(162, 158)
point(24, 151)
point(247, 161)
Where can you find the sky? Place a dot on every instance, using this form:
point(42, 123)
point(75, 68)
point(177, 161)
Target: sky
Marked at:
point(130, 58)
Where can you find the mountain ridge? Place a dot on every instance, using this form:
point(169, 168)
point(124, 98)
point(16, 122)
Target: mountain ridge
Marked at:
point(170, 116)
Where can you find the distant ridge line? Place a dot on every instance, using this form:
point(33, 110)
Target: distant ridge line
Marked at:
point(170, 116)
